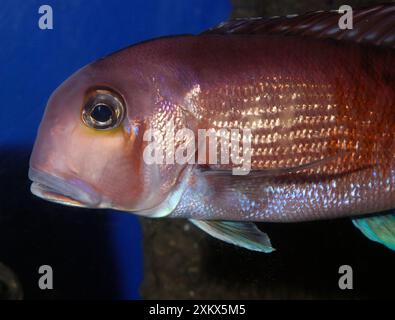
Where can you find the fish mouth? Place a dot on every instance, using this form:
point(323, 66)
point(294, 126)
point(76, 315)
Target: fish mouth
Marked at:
point(67, 192)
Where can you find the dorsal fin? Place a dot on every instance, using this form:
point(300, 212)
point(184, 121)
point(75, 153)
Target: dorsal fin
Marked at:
point(372, 25)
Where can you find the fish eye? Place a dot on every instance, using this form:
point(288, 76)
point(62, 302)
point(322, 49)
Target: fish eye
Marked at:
point(103, 110)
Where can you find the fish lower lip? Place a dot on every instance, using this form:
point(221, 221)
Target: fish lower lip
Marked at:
point(55, 189)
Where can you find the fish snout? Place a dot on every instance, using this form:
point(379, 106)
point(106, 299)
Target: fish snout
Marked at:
point(72, 192)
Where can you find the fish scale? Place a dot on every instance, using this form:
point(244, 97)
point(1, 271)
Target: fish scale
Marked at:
point(321, 121)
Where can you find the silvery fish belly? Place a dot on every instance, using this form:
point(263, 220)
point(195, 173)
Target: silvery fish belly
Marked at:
point(296, 116)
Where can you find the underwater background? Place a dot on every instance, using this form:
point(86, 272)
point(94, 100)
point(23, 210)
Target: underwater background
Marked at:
point(107, 254)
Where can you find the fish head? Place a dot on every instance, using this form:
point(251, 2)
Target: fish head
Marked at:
point(89, 150)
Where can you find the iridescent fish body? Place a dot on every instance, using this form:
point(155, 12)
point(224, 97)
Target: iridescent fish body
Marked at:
point(319, 103)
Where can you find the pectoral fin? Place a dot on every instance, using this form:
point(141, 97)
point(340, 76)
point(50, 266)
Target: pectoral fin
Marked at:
point(242, 234)
point(380, 228)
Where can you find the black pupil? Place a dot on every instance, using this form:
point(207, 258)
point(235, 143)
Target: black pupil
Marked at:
point(101, 113)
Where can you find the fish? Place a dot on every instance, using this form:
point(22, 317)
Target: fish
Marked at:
point(310, 106)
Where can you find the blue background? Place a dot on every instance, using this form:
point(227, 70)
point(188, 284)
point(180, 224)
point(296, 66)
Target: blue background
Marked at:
point(33, 62)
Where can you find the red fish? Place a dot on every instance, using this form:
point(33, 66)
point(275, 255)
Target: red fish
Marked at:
point(318, 102)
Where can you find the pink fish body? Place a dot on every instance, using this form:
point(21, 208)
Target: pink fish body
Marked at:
point(318, 103)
